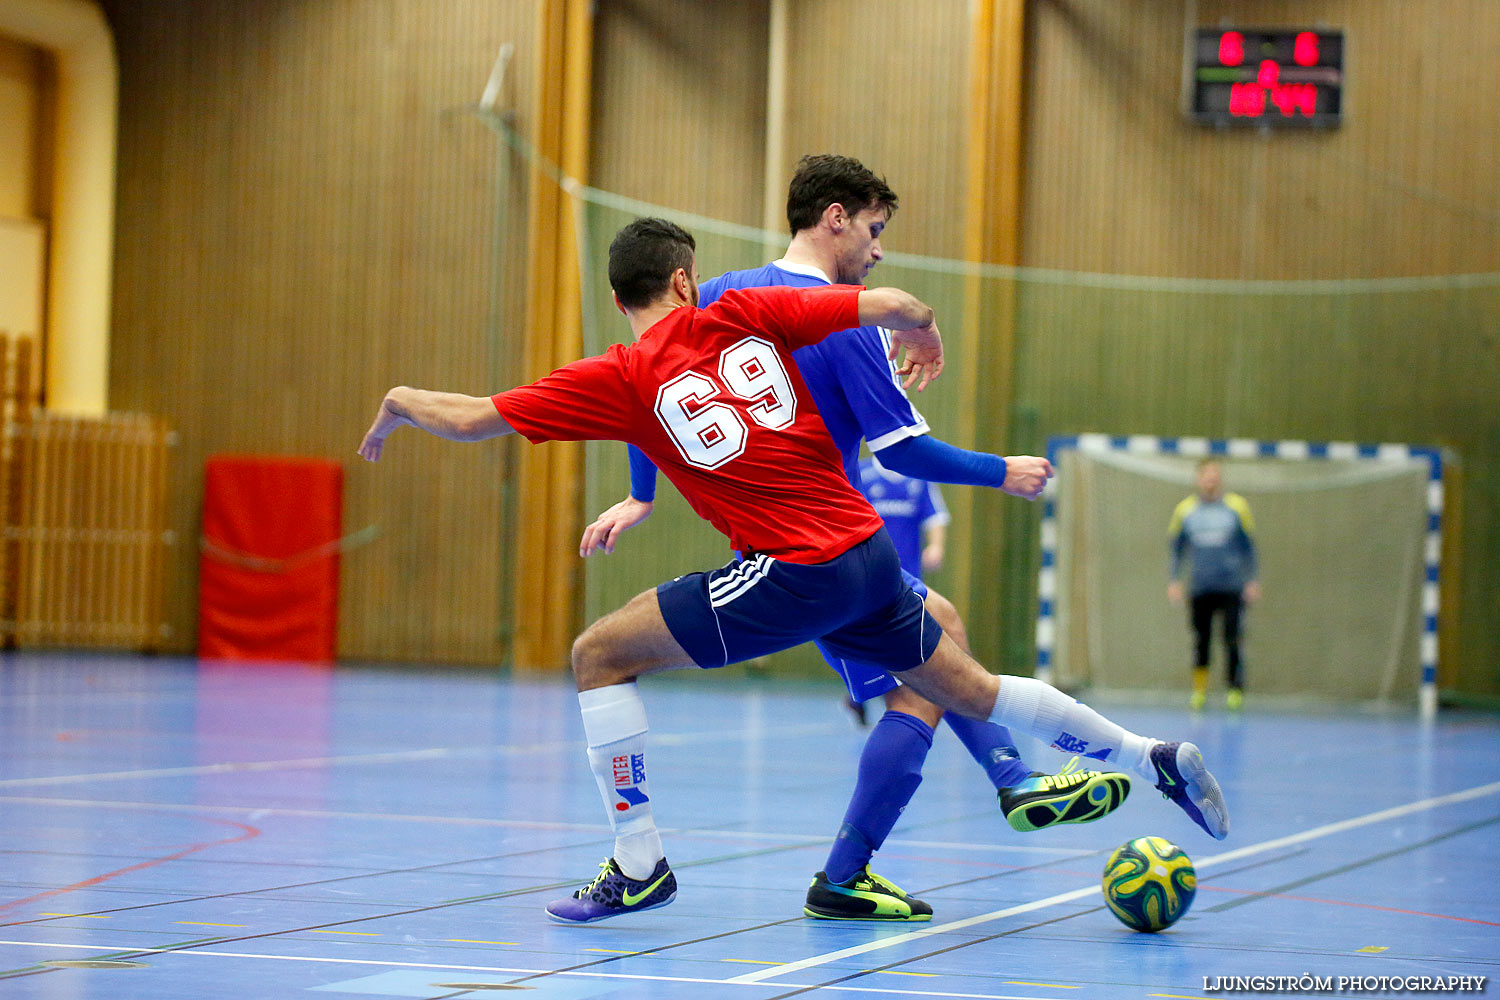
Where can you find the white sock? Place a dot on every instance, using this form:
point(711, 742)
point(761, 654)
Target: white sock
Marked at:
point(614, 721)
point(1034, 707)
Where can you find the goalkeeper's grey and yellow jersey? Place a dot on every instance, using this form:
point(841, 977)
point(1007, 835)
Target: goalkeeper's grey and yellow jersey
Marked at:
point(1219, 538)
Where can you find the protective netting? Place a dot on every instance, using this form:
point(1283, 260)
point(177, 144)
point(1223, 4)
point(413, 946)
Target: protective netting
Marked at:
point(1359, 360)
point(1340, 547)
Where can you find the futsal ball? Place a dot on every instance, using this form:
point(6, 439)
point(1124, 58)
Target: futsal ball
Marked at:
point(1149, 883)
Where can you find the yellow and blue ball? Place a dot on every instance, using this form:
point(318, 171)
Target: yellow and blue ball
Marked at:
point(1149, 883)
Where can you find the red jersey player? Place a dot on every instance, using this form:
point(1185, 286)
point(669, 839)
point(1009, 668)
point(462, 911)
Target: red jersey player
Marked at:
point(714, 398)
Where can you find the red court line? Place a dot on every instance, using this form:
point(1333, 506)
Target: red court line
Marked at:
point(1340, 902)
point(249, 833)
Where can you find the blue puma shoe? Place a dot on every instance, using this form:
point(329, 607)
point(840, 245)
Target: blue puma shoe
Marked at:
point(612, 893)
point(1182, 777)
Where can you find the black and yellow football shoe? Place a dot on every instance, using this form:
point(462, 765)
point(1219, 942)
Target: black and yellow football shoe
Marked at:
point(1069, 796)
point(865, 896)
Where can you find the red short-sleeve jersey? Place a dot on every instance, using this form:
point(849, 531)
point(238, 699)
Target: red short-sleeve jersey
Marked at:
point(713, 397)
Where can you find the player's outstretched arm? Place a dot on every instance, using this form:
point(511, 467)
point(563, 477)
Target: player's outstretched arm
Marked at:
point(925, 457)
point(893, 309)
point(605, 530)
point(448, 415)
point(626, 514)
point(1026, 476)
point(913, 327)
point(924, 355)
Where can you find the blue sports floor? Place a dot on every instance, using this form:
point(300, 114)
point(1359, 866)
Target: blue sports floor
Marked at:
point(272, 832)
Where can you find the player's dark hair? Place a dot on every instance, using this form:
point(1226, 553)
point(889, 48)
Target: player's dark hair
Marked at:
point(642, 258)
point(824, 179)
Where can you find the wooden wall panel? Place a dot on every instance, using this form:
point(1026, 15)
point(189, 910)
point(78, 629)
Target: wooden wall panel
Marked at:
point(84, 530)
point(679, 104)
point(23, 267)
point(887, 82)
point(26, 87)
point(22, 76)
point(305, 215)
point(1120, 182)
point(680, 115)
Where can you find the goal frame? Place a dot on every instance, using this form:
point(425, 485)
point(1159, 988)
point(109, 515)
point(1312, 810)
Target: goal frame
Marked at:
point(1249, 448)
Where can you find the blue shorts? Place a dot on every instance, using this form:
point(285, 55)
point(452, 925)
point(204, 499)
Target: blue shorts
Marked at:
point(857, 605)
point(866, 680)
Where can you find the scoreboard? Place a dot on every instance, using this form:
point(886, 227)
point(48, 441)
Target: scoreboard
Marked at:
point(1267, 77)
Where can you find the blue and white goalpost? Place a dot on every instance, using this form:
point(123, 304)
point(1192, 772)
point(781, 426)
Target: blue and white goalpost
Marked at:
point(1145, 449)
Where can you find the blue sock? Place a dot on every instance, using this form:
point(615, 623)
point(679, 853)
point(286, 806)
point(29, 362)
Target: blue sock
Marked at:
point(890, 769)
point(992, 747)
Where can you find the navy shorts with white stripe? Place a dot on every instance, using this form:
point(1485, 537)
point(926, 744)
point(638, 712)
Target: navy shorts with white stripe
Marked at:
point(859, 605)
point(866, 680)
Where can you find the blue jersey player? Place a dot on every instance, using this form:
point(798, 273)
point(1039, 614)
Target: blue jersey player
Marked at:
point(916, 519)
point(914, 514)
point(837, 209)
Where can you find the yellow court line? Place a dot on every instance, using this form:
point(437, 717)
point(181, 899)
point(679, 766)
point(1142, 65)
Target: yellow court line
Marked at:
point(348, 933)
point(897, 972)
point(752, 961)
point(205, 923)
point(613, 951)
point(1051, 986)
point(86, 916)
point(469, 941)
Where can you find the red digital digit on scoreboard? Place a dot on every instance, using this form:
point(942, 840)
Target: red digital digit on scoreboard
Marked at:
point(1231, 48)
point(1305, 49)
point(1267, 77)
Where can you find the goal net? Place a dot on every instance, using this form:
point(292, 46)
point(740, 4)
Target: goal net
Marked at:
point(1347, 551)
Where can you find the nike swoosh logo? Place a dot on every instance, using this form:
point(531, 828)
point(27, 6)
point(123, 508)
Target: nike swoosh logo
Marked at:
point(631, 898)
point(1167, 779)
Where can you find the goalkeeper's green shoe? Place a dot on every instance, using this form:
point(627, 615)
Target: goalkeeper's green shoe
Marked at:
point(1068, 796)
point(866, 896)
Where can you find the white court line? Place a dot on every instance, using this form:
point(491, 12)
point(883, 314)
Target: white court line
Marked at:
point(817, 960)
point(228, 768)
point(430, 753)
point(1093, 890)
point(1479, 791)
point(491, 969)
point(257, 813)
point(761, 975)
